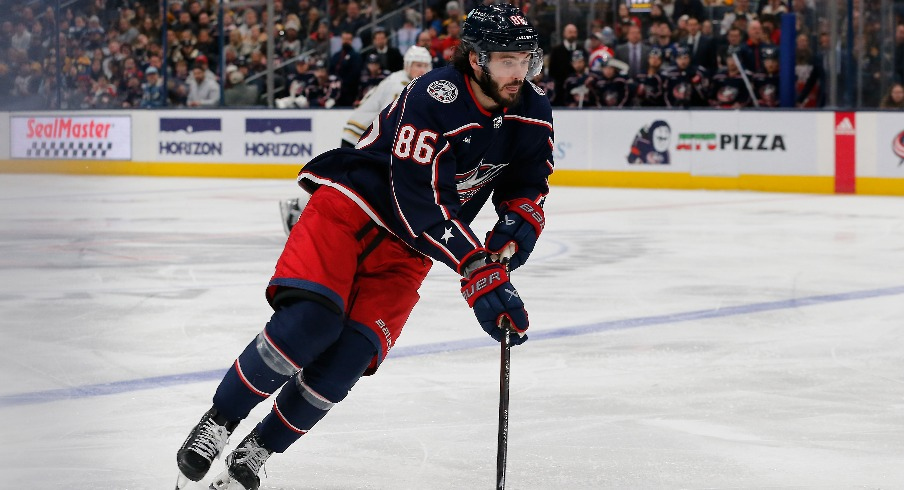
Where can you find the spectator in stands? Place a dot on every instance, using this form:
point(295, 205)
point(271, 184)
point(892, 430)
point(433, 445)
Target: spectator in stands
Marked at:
point(694, 9)
point(240, 94)
point(346, 66)
point(289, 45)
point(599, 52)
point(899, 54)
point(805, 17)
point(407, 35)
point(351, 22)
point(774, 8)
point(132, 93)
point(701, 47)
point(318, 43)
point(446, 43)
point(21, 39)
point(425, 40)
point(658, 15)
point(894, 99)
point(623, 21)
point(634, 52)
point(432, 20)
point(202, 91)
point(453, 14)
point(389, 57)
point(207, 47)
point(808, 68)
point(772, 33)
point(324, 89)
point(311, 18)
point(741, 10)
point(104, 94)
point(152, 89)
point(561, 64)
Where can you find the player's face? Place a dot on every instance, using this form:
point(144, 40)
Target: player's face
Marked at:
point(417, 68)
point(505, 78)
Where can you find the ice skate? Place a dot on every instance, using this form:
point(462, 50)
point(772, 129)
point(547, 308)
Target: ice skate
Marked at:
point(204, 444)
point(243, 465)
point(290, 209)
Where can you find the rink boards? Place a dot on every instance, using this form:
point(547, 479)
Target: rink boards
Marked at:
point(785, 151)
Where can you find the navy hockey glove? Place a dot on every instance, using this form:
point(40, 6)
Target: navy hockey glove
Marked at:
point(519, 226)
point(493, 298)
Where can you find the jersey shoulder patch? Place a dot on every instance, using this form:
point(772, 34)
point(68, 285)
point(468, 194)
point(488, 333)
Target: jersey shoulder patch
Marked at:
point(443, 91)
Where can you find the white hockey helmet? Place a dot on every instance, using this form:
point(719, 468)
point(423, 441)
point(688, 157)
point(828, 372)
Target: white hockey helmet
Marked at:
point(418, 54)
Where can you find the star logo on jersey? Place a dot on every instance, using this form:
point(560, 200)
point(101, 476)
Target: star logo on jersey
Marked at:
point(443, 91)
point(497, 122)
point(447, 235)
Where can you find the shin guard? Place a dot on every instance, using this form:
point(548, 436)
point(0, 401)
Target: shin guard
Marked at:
point(316, 389)
point(294, 336)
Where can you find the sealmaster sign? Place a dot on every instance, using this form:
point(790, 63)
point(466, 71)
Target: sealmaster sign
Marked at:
point(71, 138)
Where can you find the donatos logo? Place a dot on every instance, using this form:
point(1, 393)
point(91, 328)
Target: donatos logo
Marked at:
point(726, 141)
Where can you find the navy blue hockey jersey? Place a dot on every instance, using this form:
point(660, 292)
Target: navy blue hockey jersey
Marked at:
point(432, 159)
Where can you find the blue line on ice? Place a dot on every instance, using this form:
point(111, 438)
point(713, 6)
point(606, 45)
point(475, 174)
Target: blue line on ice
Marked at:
point(87, 391)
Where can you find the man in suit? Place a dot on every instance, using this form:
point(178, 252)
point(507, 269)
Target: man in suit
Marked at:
point(560, 57)
point(634, 52)
point(389, 57)
point(701, 48)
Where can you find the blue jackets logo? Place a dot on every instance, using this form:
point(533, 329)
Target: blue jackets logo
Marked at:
point(190, 136)
point(278, 137)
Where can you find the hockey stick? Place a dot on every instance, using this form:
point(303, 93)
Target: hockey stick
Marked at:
point(505, 361)
point(756, 103)
point(505, 365)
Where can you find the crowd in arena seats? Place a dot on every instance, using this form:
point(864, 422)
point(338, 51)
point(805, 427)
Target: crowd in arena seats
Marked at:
point(129, 54)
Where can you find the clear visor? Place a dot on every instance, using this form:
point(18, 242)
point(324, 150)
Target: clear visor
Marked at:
point(513, 65)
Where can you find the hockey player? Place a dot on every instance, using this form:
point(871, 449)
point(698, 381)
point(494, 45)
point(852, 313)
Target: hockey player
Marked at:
point(686, 85)
point(371, 76)
point(577, 86)
point(729, 90)
point(609, 86)
point(417, 61)
point(378, 216)
point(650, 84)
point(766, 85)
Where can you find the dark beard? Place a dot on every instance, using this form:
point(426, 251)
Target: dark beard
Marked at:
point(492, 90)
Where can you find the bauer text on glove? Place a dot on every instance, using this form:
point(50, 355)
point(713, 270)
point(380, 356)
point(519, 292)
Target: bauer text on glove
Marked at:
point(494, 299)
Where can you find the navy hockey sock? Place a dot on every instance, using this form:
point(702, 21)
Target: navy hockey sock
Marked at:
point(295, 335)
point(321, 385)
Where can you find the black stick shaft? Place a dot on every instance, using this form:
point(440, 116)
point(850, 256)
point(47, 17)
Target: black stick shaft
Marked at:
point(502, 440)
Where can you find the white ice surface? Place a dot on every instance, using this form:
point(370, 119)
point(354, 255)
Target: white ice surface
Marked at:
point(679, 339)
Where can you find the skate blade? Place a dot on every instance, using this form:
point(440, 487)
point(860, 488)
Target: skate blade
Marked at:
point(181, 482)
